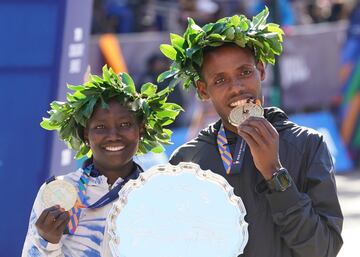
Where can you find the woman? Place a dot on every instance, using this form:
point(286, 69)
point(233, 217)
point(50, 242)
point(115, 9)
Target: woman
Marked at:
point(107, 120)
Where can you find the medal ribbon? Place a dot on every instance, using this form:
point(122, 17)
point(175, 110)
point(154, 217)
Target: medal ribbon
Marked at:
point(81, 201)
point(231, 166)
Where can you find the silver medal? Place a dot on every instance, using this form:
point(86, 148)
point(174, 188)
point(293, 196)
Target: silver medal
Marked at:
point(59, 192)
point(240, 113)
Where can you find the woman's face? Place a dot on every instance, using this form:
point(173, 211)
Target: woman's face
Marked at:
point(113, 135)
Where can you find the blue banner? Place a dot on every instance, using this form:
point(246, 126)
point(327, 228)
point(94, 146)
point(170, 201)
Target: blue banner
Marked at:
point(324, 123)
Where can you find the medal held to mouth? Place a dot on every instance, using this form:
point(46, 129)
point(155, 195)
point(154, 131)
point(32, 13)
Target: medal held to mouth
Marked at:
point(59, 192)
point(240, 113)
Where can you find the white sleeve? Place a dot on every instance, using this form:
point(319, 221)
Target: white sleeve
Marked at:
point(34, 244)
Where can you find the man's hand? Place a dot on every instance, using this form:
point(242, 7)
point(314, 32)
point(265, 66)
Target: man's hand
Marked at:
point(52, 223)
point(263, 140)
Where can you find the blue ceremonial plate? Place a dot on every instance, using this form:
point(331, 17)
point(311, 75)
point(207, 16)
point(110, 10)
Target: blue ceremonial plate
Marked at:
point(177, 211)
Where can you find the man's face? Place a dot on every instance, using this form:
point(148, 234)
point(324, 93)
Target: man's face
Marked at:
point(229, 74)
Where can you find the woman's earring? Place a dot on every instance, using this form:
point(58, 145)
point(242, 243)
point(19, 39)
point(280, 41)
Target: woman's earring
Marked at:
point(87, 143)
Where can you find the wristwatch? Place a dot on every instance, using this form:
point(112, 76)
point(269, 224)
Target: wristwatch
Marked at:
point(280, 181)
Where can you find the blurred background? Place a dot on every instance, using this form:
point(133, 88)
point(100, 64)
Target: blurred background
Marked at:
point(45, 44)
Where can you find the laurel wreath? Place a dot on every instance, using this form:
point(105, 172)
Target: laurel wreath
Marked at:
point(69, 118)
point(186, 52)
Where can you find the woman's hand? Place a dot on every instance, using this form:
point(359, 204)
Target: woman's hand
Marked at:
point(52, 223)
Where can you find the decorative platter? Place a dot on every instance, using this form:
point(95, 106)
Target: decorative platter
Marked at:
point(177, 211)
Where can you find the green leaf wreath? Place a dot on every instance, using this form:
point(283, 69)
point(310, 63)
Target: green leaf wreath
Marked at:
point(69, 118)
point(186, 51)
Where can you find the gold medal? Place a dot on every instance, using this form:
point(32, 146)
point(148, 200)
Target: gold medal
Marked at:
point(59, 192)
point(241, 112)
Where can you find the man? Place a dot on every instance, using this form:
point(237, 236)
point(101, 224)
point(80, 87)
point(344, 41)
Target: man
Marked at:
point(284, 173)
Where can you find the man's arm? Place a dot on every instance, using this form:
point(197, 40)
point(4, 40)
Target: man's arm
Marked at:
point(176, 158)
point(185, 153)
point(310, 222)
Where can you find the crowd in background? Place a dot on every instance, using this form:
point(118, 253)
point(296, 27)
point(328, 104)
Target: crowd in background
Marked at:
point(131, 16)
point(134, 16)
point(127, 16)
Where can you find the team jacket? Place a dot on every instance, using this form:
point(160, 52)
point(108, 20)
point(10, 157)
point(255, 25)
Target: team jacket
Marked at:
point(303, 221)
